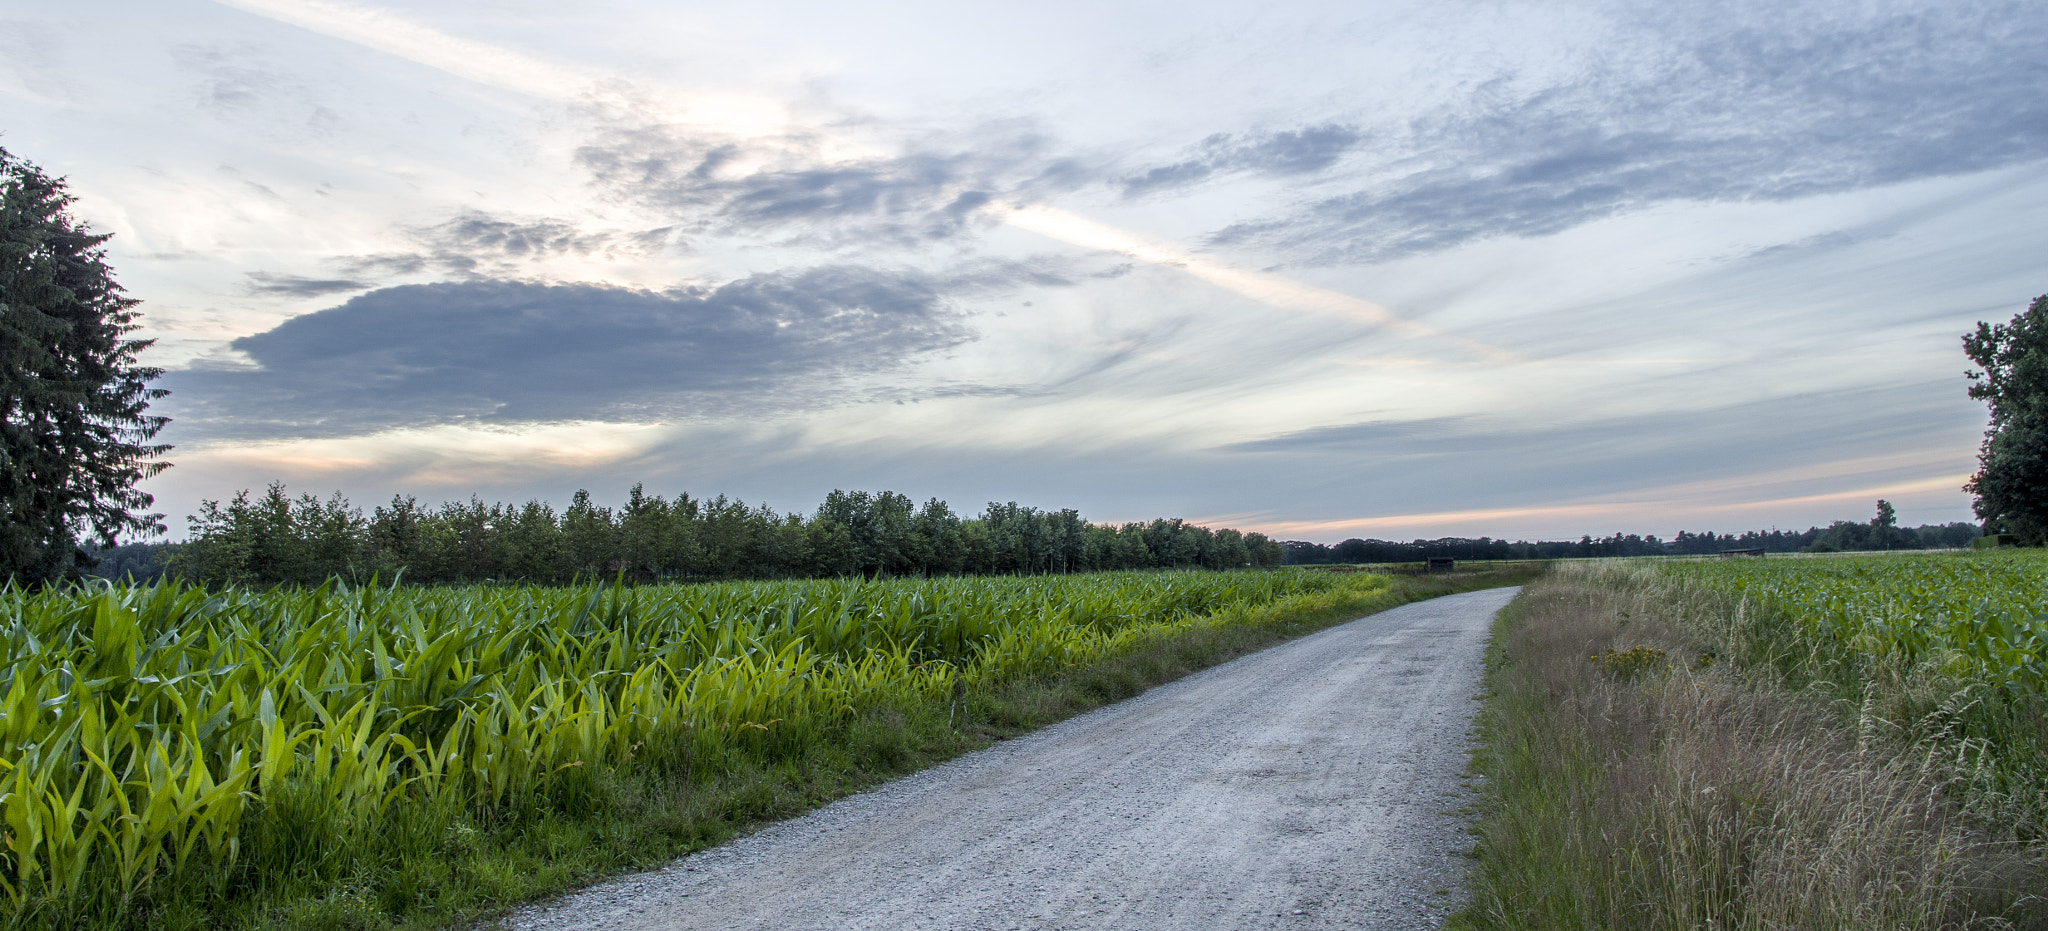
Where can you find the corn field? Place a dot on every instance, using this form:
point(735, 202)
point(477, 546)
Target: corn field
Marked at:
point(1976, 617)
point(1942, 656)
point(150, 733)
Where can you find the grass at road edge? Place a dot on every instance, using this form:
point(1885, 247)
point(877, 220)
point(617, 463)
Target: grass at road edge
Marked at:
point(441, 876)
point(1631, 788)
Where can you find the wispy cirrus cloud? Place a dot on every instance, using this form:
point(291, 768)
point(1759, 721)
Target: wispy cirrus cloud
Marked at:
point(475, 244)
point(1786, 104)
point(1290, 152)
point(794, 191)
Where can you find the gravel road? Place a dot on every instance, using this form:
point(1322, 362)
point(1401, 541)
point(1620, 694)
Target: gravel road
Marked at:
point(1306, 786)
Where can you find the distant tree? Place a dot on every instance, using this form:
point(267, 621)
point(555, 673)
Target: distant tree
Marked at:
point(656, 537)
point(939, 528)
point(1951, 535)
point(1842, 536)
point(1884, 528)
point(1229, 551)
point(2011, 483)
point(833, 549)
point(142, 562)
point(533, 544)
point(590, 538)
point(1264, 552)
point(272, 538)
point(401, 540)
point(74, 432)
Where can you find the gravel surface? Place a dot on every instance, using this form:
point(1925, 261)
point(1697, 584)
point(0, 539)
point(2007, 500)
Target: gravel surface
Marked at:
point(1312, 785)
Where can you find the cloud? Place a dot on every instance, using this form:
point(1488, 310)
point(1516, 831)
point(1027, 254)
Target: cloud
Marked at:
point(476, 232)
point(1893, 415)
point(1819, 243)
point(228, 81)
point(1294, 152)
point(242, 84)
point(789, 190)
point(1769, 107)
point(480, 245)
point(296, 286)
point(398, 36)
point(1477, 461)
point(985, 276)
point(31, 52)
point(1363, 437)
point(1264, 287)
point(511, 352)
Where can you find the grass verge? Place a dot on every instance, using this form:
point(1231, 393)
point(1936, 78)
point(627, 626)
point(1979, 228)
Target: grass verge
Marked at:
point(425, 868)
point(1636, 779)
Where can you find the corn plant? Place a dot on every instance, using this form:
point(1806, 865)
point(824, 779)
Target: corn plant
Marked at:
point(149, 732)
point(1947, 652)
point(1978, 617)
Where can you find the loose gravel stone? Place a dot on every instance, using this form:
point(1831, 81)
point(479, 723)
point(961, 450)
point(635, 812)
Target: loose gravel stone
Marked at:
point(1312, 785)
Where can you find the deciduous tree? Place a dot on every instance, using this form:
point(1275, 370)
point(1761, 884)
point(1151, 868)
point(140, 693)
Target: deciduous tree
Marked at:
point(2011, 483)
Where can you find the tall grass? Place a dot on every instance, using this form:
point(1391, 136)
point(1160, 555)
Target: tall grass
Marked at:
point(1947, 653)
point(168, 745)
point(1649, 767)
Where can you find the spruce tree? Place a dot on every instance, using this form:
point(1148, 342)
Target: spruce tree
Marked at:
point(2011, 483)
point(74, 429)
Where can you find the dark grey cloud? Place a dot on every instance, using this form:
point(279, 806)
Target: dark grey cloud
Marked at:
point(1294, 152)
point(479, 245)
point(1768, 105)
point(503, 351)
point(474, 233)
point(927, 194)
point(296, 286)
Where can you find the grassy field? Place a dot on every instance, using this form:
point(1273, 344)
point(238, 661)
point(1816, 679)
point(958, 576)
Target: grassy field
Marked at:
point(1850, 742)
point(173, 757)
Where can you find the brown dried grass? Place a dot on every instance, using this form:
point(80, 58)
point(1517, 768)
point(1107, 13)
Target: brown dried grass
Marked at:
point(1705, 795)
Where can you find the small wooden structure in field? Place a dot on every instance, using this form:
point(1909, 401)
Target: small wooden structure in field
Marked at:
point(1442, 564)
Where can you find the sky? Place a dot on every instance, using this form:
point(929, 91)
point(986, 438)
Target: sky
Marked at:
point(1322, 270)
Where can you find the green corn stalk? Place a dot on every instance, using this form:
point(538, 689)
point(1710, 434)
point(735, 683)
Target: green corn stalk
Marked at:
point(144, 729)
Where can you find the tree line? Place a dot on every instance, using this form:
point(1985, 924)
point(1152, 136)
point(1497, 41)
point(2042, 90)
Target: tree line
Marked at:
point(1881, 533)
point(275, 537)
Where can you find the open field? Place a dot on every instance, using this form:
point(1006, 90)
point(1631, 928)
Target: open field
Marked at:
point(1977, 619)
point(179, 757)
point(1850, 742)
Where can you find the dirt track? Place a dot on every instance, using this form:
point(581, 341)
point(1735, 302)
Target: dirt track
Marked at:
point(1307, 786)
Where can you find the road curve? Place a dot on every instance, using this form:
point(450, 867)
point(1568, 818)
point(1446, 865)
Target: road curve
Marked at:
point(1306, 786)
